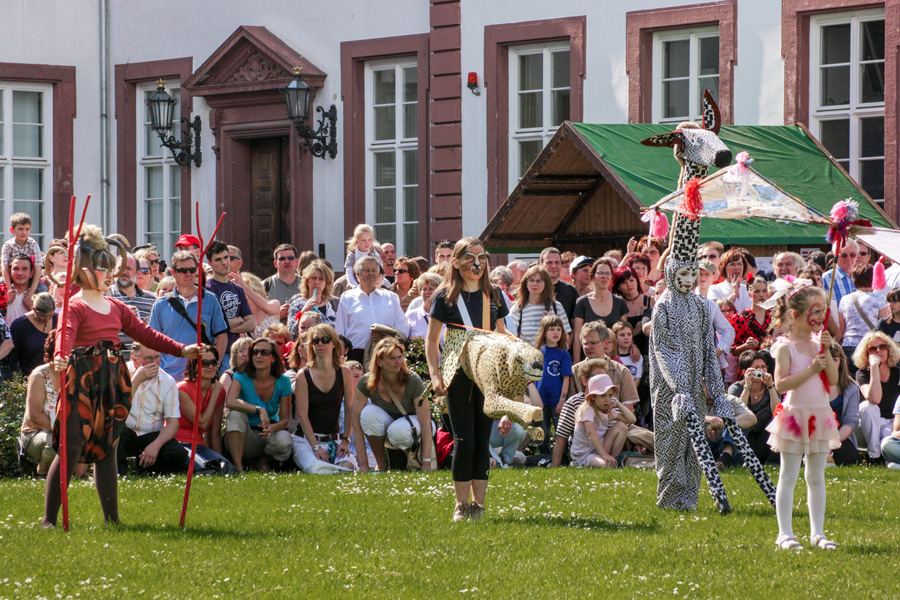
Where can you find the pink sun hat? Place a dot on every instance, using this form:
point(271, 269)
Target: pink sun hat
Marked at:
point(600, 384)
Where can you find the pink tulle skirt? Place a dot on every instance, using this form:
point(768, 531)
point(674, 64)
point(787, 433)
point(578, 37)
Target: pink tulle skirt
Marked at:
point(803, 430)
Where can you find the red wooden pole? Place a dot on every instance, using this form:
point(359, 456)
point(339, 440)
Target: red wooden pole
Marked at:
point(62, 407)
point(198, 392)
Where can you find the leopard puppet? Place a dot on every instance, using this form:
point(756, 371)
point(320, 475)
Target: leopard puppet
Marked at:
point(502, 367)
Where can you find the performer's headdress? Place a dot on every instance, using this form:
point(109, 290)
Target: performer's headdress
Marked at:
point(92, 252)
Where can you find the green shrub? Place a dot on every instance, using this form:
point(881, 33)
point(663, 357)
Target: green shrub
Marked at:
point(415, 359)
point(12, 408)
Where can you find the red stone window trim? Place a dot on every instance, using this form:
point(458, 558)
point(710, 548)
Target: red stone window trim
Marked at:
point(129, 77)
point(497, 40)
point(354, 56)
point(640, 26)
point(62, 78)
point(795, 42)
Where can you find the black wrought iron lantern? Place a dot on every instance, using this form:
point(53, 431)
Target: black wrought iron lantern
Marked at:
point(161, 106)
point(322, 140)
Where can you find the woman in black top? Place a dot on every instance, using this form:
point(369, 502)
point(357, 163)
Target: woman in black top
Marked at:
point(878, 378)
point(460, 304)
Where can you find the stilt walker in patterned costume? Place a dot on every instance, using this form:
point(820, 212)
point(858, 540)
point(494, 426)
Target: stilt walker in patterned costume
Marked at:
point(98, 386)
point(682, 343)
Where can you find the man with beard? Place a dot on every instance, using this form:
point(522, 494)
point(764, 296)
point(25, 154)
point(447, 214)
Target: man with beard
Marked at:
point(140, 301)
point(231, 297)
point(21, 269)
point(388, 257)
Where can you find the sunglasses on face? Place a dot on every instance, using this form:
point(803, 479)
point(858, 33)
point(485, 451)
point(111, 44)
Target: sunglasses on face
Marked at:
point(320, 340)
point(874, 349)
point(209, 362)
point(185, 270)
point(286, 258)
point(261, 352)
point(144, 270)
point(231, 257)
point(401, 270)
point(849, 254)
point(155, 261)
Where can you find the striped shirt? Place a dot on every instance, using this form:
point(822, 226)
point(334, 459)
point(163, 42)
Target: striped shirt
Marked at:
point(527, 321)
point(844, 284)
point(142, 301)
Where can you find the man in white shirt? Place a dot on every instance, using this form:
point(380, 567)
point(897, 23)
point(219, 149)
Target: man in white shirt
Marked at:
point(367, 305)
point(149, 433)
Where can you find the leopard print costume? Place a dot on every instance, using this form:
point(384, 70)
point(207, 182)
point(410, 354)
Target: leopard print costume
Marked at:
point(501, 367)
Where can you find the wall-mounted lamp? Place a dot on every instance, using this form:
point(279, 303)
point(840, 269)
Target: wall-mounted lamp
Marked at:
point(162, 119)
point(323, 140)
point(473, 83)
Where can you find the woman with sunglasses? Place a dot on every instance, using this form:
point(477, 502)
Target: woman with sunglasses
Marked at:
point(406, 271)
point(322, 388)
point(259, 401)
point(316, 294)
point(465, 301)
point(397, 413)
point(149, 254)
point(144, 276)
point(212, 400)
point(878, 378)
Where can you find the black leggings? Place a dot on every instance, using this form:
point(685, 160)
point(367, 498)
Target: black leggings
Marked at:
point(471, 429)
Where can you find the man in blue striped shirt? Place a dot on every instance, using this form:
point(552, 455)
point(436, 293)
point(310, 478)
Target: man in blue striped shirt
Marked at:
point(846, 260)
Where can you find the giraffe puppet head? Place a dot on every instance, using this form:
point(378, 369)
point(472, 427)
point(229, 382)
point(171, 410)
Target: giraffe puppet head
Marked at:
point(696, 148)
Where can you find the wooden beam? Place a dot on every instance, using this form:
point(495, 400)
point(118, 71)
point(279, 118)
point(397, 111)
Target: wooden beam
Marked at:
point(577, 208)
point(555, 193)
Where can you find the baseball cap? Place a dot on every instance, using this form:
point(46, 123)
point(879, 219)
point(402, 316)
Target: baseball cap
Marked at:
point(708, 266)
point(188, 240)
point(600, 384)
point(580, 261)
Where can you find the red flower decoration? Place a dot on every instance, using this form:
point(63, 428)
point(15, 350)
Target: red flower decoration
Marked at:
point(778, 410)
point(812, 424)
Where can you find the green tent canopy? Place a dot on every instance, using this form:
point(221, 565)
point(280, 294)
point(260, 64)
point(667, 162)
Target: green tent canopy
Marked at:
point(577, 189)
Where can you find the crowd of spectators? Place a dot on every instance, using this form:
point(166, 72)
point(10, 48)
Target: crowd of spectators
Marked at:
point(313, 369)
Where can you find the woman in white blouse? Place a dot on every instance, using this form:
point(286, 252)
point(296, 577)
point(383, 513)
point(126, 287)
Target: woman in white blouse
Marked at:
point(733, 267)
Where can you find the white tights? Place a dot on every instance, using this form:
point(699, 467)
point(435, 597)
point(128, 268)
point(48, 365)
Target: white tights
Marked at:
point(815, 492)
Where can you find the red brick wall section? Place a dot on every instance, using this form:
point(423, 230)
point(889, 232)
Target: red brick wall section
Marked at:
point(446, 122)
point(127, 77)
point(62, 78)
point(642, 24)
point(795, 17)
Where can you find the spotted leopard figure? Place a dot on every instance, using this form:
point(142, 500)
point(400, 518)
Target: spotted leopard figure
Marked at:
point(502, 367)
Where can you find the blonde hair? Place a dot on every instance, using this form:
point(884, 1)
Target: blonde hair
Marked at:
point(317, 265)
point(253, 282)
point(239, 345)
point(589, 401)
point(166, 282)
point(546, 323)
point(277, 330)
point(382, 349)
point(861, 354)
point(360, 229)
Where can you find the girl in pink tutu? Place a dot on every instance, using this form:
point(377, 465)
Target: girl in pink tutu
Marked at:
point(804, 424)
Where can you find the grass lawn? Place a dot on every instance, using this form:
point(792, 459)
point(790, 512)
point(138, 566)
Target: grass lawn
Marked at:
point(563, 533)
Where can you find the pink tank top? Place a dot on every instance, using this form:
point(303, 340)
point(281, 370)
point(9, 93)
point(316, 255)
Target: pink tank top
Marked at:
point(811, 394)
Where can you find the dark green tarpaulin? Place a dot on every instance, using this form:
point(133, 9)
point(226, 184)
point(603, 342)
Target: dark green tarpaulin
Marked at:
point(783, 154)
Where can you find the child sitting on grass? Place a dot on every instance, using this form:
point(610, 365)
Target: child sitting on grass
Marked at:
point(601, 425)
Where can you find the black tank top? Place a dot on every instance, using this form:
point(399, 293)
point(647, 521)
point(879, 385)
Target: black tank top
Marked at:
point(324, 407)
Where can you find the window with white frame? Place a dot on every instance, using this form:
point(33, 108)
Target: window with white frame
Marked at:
point(25, 156)
point(846, 95)
point(685, 62)
point(159, 181)
point(392, 153)
point(539, 89)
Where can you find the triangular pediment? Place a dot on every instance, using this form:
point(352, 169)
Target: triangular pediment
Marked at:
point(252, 59)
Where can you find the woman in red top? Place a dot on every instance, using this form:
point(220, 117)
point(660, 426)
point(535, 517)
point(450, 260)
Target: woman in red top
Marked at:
point(212, 396)
point(98, 387)
point(751, 327)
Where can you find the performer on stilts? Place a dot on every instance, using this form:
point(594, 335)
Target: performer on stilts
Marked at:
point(98, 386)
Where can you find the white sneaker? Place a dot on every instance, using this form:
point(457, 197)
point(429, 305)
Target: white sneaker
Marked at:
point(894, 466)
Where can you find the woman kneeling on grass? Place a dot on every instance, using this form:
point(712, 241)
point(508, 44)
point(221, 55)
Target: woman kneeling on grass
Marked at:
point(212, 399)
point(601, 425)
point(322, 388)
point(395, 414)
point(260, 404)
point(98, 395)
point(465, 300)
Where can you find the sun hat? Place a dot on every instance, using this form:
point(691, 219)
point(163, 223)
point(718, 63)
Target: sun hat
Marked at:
point(600, 384)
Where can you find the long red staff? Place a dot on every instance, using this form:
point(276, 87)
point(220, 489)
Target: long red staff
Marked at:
point(63, 407)
point(844, 214)
point(197, 390)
